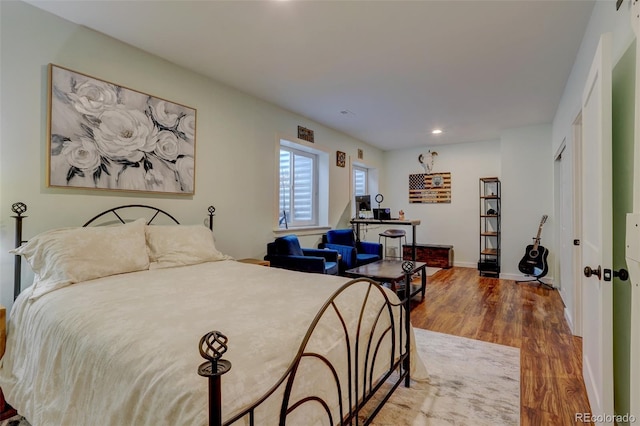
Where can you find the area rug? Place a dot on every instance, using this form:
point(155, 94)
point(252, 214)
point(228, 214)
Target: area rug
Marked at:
point(470, 383)
point(432, 270)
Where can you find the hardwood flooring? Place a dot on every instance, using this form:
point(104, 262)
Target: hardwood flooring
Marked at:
point(460, 302)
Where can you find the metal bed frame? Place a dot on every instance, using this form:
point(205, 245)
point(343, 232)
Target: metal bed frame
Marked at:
point(366, 392)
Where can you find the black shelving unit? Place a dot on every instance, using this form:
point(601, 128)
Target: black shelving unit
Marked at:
point(490, 210)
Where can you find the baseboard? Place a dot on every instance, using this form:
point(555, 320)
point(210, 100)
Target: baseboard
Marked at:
point(567, 317)
point(504, 276)
point(466, 265)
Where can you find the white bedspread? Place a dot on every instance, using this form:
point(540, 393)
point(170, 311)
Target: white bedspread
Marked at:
point(124, 349)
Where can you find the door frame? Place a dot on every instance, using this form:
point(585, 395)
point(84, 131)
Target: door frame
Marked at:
point(634, 370)
point(597, 295)
point(576, 144)
point(570, 153)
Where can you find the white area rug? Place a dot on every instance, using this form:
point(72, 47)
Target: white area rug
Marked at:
point(431, 270)
point(471, 383)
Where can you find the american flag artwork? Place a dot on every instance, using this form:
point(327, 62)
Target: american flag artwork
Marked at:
point(429, 188)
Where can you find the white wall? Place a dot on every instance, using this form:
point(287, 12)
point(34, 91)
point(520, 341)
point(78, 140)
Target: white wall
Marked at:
point(604, 18)
point(527, 194)
point(235, 140)
point(519, 159)
point(455, 223)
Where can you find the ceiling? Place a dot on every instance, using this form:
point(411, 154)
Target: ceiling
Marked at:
point(384, 72)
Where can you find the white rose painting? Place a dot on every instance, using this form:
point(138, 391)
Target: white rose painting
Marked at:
point(104, 136)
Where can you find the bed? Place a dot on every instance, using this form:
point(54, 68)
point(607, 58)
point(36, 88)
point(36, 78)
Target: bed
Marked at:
point(120, 338)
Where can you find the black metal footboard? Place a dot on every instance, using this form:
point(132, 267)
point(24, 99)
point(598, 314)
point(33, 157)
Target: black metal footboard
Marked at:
point(376, 353)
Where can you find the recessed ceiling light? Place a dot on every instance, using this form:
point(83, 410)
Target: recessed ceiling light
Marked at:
point(436, 131)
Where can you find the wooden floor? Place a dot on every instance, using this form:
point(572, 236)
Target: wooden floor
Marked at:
point(460, 302)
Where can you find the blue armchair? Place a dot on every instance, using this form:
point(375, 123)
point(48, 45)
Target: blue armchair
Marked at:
point(353, 253)
point(285, 252)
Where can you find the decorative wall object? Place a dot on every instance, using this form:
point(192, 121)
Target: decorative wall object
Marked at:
point(305, 134)
point(360, 154)
point(105, 136)
point(341, 159)
point(428, 188)
point(427, 160)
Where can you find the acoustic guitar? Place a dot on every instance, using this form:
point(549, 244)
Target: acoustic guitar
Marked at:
point(534, 261)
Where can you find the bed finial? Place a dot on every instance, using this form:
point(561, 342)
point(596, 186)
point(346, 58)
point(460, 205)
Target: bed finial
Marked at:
point(408, 268)
point(18, 208)
point(212, 346)
point(212, 213)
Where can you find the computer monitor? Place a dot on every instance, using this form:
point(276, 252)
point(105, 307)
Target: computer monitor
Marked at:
point(382, 214)
point(363, 205)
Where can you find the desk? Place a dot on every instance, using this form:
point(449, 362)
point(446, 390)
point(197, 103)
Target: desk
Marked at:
point(390, 271)
point(403, 222)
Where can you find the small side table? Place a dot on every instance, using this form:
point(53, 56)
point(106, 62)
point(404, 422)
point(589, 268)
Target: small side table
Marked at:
point(255, 262)
point(390, 271)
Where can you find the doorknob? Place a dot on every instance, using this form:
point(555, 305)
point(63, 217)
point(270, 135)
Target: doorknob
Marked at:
point(588, 272)
point(623, 274)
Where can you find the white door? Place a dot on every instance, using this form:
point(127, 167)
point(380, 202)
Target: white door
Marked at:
point(634, 405)
point(597, 293)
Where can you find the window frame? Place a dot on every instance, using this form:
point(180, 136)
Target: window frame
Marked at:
point(291, 220)
point(372, 186)
point(321, 192)
point(360, 169)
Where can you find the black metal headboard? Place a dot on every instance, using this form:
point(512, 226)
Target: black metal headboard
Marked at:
point(154, 211)
point(20, 208)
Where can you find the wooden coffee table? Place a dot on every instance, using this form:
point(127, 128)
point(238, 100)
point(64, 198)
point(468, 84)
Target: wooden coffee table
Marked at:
point(390, 271)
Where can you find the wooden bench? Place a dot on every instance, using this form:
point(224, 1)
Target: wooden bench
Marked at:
point(434, 255)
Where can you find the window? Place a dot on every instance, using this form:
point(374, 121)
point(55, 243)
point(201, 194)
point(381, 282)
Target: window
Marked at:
point(359, 180)
point(298, 200)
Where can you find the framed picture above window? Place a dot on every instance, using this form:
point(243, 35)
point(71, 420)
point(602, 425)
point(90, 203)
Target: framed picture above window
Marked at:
point(105, 136)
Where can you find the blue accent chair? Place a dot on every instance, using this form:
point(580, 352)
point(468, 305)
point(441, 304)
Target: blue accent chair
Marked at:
point(285, 252)
point(353, 253)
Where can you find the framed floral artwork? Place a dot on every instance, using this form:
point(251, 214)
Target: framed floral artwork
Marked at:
point(105, 136)
point(341, 158)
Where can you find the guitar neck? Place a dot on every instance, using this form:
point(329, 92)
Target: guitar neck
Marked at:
point(536, 240)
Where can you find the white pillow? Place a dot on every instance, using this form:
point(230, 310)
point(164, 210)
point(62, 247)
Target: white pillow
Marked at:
point(61, 257)
point(180, 245)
